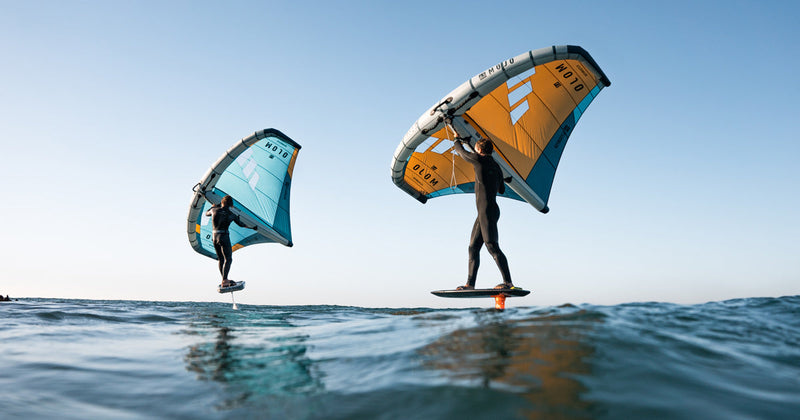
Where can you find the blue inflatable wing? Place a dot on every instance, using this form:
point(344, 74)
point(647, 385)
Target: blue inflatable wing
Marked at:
point(257, 173)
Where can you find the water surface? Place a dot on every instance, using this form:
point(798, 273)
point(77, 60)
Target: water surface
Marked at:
point(125, 359)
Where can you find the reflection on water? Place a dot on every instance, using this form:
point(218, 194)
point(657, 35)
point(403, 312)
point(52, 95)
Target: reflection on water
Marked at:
point(250, 361)
point(537, 358)
point(263, 359)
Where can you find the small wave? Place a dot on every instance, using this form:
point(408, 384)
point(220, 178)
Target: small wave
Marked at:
point(78, 316)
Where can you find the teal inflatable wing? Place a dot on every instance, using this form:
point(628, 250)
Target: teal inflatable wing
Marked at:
point(257, 173)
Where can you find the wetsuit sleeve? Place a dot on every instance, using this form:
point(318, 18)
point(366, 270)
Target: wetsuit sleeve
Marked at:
point(468, 156)
point(501, 187)
point(239, 222)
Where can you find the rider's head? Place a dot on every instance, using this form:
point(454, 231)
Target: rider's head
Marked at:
point(484, 147)
point(227, 201)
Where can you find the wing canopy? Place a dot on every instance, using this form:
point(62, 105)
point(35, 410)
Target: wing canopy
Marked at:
point(527, 105)
point(257, 173)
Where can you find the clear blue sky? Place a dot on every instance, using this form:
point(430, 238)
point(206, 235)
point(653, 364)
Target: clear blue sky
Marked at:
point(679, 184)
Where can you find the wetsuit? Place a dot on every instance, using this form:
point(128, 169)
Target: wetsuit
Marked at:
point(488, 182)
point(221, 219)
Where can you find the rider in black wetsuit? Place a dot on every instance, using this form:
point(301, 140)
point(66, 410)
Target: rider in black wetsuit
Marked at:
point(488, 182)
point(221, 219)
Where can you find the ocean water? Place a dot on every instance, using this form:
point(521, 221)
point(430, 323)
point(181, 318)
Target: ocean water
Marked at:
point(80, 359)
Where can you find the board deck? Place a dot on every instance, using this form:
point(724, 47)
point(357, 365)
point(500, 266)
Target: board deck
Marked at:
point(236, 287)
point(475, 293)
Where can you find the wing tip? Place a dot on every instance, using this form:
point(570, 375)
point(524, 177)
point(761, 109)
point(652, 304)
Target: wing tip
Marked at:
point(576, 49)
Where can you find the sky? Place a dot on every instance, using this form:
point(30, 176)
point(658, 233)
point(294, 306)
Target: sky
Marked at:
point(679, 183)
